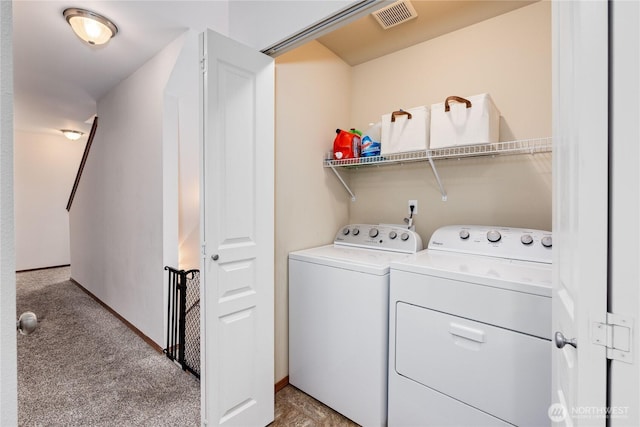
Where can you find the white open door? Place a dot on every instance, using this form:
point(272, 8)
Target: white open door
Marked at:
point(580, 217)
point(237, 231)
point(8, 358)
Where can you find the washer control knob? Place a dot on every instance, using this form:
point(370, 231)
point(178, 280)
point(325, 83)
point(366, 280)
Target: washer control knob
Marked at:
point(493, 236)
point(356, 231)
point(393, 235)
point(373, 232)
point(526, 239)
point(547, 242)
point(345, 231)
point(404, 237)
point(464, 234)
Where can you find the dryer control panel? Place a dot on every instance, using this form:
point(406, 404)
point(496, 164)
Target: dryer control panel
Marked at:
point(503, 242)
point(382, 236)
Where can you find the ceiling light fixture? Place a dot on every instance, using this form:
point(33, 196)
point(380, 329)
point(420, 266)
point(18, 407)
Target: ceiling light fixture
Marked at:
point(73, 135)
point(89, 26)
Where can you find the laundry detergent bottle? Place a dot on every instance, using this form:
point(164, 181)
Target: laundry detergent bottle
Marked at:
point(346, 145)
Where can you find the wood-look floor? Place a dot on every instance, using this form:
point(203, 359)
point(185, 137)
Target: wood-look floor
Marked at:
point(295, 408)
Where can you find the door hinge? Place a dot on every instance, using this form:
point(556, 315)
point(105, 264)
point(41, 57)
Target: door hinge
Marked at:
point(203, 250)
point(616, 335)
point(203, 64)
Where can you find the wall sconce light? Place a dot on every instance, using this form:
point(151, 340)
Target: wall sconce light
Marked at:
point(89, 26)
point(73, 135)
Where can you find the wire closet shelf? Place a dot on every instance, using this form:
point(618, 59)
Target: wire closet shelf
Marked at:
point(524, 146)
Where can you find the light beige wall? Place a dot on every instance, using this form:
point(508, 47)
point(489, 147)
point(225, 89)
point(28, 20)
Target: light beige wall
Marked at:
point(508, 56)
point(312, 86)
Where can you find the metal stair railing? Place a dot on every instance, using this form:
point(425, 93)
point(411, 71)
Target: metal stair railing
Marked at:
point(85, 155)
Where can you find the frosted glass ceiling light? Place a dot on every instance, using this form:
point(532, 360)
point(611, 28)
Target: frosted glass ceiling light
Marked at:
point(73, 135)
point(89, 26)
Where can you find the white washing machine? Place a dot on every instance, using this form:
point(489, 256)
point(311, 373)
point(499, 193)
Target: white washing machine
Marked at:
point(470, 330)
point(339, 318)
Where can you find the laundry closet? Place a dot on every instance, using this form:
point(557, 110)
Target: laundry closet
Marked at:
point(507, 56)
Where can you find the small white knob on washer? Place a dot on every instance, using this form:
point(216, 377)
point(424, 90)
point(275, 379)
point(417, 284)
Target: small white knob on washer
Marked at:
point(546, 241)
point(464, 234)
point(393, 235)
point(373, 232)
point(526, 239)
point(345, 231)
point(493, 236)
point(356, 231)
point(404, 237)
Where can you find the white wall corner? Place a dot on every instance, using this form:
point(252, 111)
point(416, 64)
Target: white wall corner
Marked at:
point(182, 157)
point(117, 221)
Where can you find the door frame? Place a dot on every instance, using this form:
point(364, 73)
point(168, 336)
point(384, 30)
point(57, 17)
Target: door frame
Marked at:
point(624, 295)
point(8, 348)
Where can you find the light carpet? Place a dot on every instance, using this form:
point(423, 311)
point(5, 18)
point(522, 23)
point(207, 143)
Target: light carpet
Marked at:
point(84, 367)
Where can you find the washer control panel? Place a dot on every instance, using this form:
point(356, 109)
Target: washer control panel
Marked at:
point(503, 242)
point(384, 237)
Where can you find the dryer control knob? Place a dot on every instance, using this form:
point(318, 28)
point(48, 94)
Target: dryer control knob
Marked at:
point(393, 235)
point(404, 237)
point(526, 239)
point(356, 231)
point(464, 234)
point(373, 232)
point(345, 231)
point(546, 241)
point(493, 236)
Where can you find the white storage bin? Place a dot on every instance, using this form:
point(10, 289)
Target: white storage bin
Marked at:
point(405, 130)
point(460, 121)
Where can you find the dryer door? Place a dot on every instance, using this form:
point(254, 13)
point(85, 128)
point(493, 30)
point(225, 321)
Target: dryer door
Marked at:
point(498, 371)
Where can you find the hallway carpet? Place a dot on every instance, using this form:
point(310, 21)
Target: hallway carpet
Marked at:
point(82, 366)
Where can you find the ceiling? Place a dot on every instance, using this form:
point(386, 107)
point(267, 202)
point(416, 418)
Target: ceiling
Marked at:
point(58, 79)
point(364, 39)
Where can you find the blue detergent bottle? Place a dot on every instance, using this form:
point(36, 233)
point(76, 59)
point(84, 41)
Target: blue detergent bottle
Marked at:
point(370, 144)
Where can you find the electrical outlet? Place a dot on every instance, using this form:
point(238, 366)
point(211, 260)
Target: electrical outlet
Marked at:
point(413, 203)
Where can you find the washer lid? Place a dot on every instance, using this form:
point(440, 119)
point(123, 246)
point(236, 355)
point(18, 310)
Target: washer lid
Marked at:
point(514, 275)
point(369, 261)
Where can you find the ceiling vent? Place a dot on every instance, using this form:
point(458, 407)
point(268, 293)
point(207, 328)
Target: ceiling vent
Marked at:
point(395, 14)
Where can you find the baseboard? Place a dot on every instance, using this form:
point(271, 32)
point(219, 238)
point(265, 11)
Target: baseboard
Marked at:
point(42, 268)
point(282, 383)
point(137, 331)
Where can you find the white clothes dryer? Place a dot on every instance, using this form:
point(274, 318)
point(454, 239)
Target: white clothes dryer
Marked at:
point(339, 318)
point(470, 330)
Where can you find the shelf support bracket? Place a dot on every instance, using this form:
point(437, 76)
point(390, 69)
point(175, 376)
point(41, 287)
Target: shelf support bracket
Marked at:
point(344, 184)
point(435, 173)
